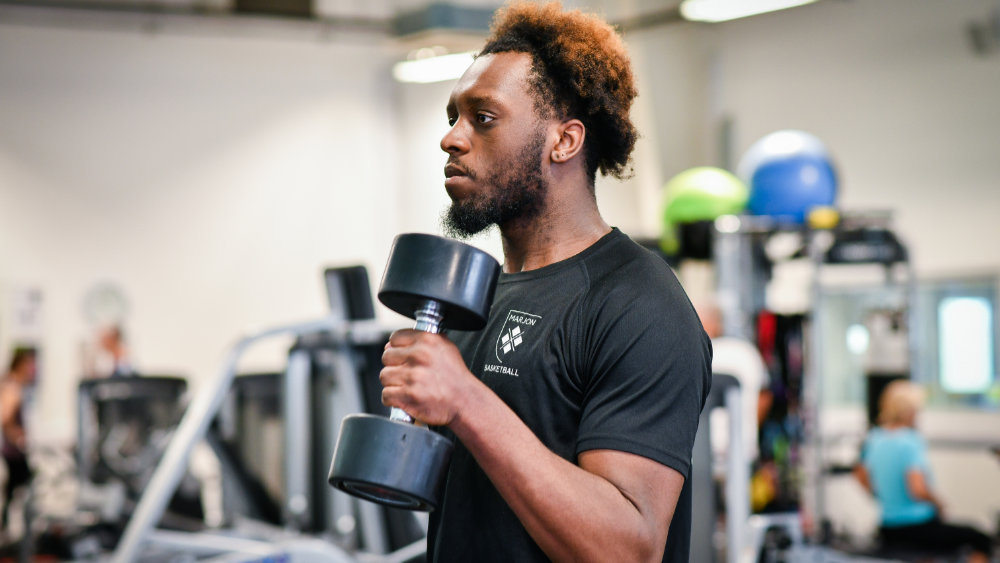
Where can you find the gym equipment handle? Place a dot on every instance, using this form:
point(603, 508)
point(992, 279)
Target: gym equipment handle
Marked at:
point(429, 317)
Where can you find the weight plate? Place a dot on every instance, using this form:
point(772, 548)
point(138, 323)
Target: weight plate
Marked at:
point(462, 278)
point(392, 463)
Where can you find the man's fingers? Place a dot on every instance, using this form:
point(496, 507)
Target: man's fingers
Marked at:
point(393, 357)
point(403, 337)
point(390, 375)
point(409, 347)
point(387, 397)
point(395, 351)
point(394, 392)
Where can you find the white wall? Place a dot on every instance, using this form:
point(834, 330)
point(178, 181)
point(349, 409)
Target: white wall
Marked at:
point(673, 75)
point(211, 176)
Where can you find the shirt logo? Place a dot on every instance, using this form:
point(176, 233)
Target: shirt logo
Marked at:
point(512, 333)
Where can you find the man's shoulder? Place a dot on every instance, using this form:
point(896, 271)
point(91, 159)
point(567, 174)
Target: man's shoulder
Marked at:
point(622, 261)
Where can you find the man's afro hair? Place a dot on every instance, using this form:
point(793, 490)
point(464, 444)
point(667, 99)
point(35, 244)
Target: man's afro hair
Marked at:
point(580, 69)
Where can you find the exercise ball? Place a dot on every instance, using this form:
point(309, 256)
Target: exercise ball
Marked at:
point(788, 189)
point(778, 145)
point(699, 194)
point(789, 173)
point(703, 193)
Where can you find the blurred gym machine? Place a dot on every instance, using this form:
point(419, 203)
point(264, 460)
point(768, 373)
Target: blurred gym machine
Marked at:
point(862, 300)
point(283, 511)
point(123, 427)
point(120, 421)
point(79, 503)
point(748, 538)
point(725, 393)
point(852, 254)
point(276, 433)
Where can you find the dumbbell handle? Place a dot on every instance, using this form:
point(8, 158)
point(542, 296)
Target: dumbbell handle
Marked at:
point(429, 317)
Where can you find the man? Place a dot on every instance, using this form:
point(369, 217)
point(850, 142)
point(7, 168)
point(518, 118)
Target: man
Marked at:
point(13, 388)
point(574, 426)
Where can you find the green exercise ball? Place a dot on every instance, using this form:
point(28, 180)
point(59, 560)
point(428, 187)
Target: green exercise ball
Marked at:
point(700, 194)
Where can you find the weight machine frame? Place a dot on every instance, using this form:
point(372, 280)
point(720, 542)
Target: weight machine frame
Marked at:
point(140, 531)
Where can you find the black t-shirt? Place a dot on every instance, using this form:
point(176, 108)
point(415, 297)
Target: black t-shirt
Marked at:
point(600, 351)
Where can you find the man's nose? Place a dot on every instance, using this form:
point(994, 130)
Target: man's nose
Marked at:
point(455, 140)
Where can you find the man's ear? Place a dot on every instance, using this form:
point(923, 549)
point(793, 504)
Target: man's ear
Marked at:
point(570, 143)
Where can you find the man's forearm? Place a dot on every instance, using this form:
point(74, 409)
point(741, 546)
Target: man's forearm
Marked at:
point(571, 513)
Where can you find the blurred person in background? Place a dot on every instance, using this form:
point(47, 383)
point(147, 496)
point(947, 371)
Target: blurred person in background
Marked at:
point(894, 468)
point(110, 357)
point(13, 389)
point(112, 343)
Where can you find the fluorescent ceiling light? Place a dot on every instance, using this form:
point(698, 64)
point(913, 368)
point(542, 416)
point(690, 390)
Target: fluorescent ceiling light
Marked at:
point(432, 69)
point(722, 10)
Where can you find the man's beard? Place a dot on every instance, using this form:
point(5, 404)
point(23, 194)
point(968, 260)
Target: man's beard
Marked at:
point(509, 193)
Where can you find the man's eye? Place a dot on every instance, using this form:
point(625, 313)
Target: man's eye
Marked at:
point(451, 121)
point(484, 118)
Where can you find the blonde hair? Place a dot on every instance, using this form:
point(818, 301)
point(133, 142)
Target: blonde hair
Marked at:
point(899, 403)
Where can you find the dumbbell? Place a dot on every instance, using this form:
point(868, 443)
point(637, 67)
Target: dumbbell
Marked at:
point(396, 461)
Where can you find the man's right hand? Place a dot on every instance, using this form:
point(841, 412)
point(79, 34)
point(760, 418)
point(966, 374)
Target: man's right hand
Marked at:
point(425, 376)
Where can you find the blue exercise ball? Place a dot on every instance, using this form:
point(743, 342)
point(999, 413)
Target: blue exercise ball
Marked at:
point(776, 146)
point(789, 187)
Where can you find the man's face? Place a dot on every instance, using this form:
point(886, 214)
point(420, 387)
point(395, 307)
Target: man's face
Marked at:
point(495, 146)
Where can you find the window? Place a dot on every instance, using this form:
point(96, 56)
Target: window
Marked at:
point(965, 344)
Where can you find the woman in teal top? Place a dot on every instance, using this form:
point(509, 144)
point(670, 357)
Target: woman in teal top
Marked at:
point(894, 468)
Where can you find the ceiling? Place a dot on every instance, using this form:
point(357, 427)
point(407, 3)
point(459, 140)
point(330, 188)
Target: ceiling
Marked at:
point(393, 18)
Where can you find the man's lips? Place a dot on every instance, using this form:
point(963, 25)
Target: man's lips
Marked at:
point(452, 170)
point(454, 178)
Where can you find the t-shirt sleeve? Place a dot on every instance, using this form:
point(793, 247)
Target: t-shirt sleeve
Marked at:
point(649, 366)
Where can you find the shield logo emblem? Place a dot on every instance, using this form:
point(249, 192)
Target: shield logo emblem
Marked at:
point(513, 332)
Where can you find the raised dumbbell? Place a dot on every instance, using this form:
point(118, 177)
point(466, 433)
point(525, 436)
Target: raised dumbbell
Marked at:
point(441, 283)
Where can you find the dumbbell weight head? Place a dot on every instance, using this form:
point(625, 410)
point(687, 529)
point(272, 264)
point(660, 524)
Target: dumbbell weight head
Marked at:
point(389, 462)
point(459, 277)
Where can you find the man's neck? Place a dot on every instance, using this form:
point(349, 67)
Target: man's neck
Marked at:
point(559, 233)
